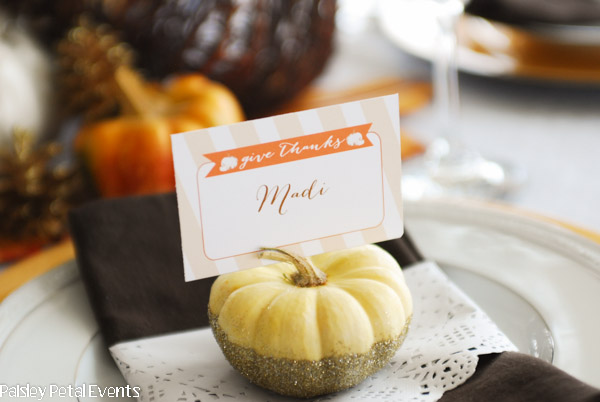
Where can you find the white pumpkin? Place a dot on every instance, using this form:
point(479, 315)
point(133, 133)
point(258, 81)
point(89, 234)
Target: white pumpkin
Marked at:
point(306, 327)
point(25, 81)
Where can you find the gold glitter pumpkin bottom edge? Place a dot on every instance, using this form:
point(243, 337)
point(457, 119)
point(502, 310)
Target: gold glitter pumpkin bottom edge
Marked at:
point(307, 378)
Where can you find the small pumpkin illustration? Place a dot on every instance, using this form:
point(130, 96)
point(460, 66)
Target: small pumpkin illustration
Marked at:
point(311, 326)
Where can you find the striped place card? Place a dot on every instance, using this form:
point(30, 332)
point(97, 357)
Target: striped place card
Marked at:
point(309, 182)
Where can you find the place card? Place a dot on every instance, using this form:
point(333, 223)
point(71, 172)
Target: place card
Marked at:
point(308, 182)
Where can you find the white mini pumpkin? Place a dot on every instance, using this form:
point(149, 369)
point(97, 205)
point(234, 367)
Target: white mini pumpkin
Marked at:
point(306, 327)
point(25, 80)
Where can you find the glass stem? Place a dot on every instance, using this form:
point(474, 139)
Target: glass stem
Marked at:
point(445, 73)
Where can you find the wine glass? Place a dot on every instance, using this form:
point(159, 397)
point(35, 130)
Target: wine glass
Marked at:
point(449, 167)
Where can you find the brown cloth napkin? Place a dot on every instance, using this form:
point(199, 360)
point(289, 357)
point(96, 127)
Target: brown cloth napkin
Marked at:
point(524, 12)
point(129, 256)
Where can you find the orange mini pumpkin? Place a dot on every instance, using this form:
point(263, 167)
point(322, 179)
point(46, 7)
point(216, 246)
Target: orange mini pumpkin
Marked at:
point(131, 154)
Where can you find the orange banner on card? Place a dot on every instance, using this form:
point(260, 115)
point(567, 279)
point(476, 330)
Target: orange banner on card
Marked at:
point(288, 150)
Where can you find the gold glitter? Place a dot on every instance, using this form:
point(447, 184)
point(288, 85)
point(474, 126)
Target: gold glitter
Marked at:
point(306, 378)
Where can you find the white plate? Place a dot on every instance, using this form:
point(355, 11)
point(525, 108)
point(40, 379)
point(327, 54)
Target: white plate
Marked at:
point(533, 278)
point(412, 26)
point(487, 48)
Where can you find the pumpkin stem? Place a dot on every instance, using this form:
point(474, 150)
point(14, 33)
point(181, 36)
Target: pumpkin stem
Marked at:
point(307, 276)
point(136, 97)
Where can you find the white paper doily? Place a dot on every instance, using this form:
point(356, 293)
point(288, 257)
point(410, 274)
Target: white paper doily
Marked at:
point(447, 334)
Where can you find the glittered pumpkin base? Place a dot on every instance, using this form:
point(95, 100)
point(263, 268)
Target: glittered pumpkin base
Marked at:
point(306, 378)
